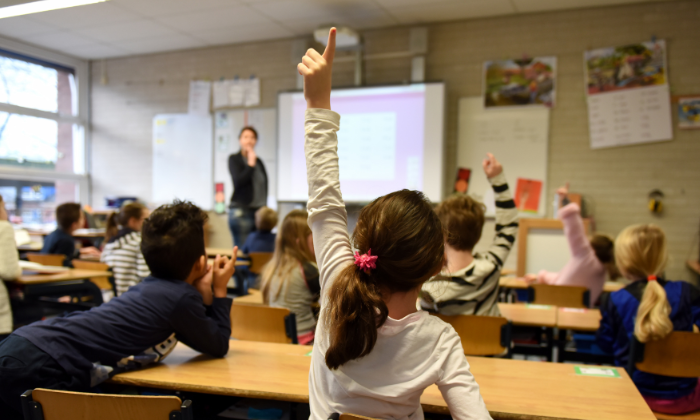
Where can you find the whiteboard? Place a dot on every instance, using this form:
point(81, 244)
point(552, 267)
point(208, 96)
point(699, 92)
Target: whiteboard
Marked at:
point(519, 139)
point(227, 127)
point(182, 156)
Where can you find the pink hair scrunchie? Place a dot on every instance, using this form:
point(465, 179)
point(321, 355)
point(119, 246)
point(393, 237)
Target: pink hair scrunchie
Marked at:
point(366, 262)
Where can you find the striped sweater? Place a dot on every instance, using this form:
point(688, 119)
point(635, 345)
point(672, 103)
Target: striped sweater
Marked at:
point(123, 255)
point(473, 290)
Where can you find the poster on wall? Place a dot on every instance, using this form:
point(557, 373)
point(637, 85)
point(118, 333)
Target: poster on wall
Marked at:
point(520, 82)
point(628, 94)
point(689, 113)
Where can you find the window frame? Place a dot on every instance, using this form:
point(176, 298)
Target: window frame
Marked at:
point(82, 74)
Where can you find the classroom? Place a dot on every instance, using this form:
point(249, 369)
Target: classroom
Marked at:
point(349, 209)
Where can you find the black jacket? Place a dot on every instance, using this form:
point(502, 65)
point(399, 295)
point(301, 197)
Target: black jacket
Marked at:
point(61, 242)
point(242, 177)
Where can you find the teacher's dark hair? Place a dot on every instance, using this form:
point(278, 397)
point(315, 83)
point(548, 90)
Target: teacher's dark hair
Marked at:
point(249, 128)
point(404, 232)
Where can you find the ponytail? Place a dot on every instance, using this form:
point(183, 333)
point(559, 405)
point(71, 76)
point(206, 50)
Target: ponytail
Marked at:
point(112, 228)
point(653, 316)
point(354, 311)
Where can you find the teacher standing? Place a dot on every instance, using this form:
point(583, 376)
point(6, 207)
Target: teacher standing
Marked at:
point(249, 186)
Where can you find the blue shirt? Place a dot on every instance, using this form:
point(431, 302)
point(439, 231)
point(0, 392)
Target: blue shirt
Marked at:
point(60, 242)
point(259, 241)
point(619, 311)
point(141, 318)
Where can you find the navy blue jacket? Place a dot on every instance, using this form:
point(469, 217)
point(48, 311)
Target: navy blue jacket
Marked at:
point(259, 241)
point(619, 311)
point(141, 318)
point(60, 242)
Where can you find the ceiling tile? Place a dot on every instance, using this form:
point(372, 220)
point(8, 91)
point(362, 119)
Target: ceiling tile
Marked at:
point(57, 40)
point(212, 19)
point(158, 44)
point(309, 9)
point(545, 5)
point(423, 11)
point(307, 26)
point(152, 8)
point(137, 29)
point(21, 26)
point(95, 51)
point(244, 33)
point(85, 16)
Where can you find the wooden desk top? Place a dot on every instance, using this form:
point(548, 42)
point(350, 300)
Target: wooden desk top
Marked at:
point(251, 299)
point(506, 385)
point(80, 233)
point(68, 275)
point(520, 283)
point(578, 319)
point(529, 315)
point(32, 246)
point(227, 252)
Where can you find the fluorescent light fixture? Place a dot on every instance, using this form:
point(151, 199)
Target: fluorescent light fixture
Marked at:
point(42, 6)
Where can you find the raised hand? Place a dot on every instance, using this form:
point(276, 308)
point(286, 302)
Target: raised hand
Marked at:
point(492, 167)
point(563, 191)
point(317, 70)
point(223, 269)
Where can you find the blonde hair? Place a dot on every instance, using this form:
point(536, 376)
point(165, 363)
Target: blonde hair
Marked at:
point(265, 219)
point(291, 250)
point(640, 252)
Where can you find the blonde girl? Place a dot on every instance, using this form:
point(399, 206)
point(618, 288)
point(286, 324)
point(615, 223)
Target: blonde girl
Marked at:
point(650, 308)
point(290, 279)
point(374, 352)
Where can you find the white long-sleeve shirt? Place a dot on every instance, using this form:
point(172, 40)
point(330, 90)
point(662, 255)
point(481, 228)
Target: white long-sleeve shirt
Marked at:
point(9, 270)
point(411, 353)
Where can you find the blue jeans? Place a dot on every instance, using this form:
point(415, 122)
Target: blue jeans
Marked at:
point(241, 222)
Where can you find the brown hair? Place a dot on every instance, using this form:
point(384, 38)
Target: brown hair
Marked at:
point(604, 249)
point(640, 251)
point(67, 214)
point(265, 219)
point(249, 128)
point(132, 210)
point(463, 219)
point(291, 250)
point(404, 232)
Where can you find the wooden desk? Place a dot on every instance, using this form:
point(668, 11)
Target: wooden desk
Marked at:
point(529, 315)
point(238, 263)
point(68, 275)
point(80, 233)
point(251, 299)
point(281, 372)
point(32, 246)
point(520, 283)
point(578, 319)
point(227, 252)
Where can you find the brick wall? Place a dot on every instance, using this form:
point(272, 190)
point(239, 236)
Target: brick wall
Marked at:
point(614, 181)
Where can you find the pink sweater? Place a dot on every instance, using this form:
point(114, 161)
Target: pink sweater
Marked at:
point(584, 268)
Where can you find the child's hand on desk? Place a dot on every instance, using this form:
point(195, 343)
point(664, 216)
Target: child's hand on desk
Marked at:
point(203, 286)
point(492, 167)
point(317, 70)
point(530, 278)
point(223, 268)
point(90, 250)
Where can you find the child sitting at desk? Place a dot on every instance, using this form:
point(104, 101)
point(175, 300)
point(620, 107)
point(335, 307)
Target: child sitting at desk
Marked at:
point(260, 240)
point(468, 284)
point(290, 279)
point(650, 308)
point(122, 253)
point(374, 353)
point(69, 217)
point(176, 302)
point(9, 269)
point(591, 259)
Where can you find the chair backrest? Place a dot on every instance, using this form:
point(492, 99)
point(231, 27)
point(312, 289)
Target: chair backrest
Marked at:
point(564, 296)
point(262, 323)
point(46, 259)
point(676, 355)
point(101, 282)
point(481, 335)
point(258, 261)
point(64, 405)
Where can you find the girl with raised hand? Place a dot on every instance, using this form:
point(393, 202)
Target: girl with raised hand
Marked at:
point(374, 353)
point(650, 308)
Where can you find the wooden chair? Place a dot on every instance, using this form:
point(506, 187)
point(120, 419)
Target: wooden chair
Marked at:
point(47, 259)
point(481, 335)
point(263, 323)
point(101, 282)
point(258, 261)
point(676, 355)
point(46, 404)
point(564, 296)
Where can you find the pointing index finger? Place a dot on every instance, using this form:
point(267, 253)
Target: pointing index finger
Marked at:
point(329, 53)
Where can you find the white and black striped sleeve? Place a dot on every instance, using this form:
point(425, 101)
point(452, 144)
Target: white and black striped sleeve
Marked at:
point(506, 221)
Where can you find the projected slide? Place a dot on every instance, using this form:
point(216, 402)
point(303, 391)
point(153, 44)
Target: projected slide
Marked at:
point(386, 141)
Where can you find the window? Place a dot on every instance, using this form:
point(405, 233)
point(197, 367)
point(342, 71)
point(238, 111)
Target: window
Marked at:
point(42, 131)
